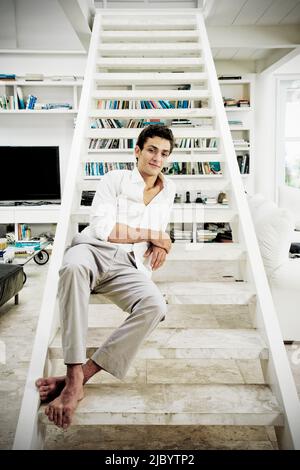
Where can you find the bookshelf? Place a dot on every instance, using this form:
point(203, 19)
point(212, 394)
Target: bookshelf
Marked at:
point(37, 218)
point(59, 90)
point(118, 113)
point(55, 95)
point(240, 116)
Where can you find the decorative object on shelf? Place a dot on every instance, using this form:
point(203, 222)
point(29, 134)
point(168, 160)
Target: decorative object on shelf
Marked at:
point(199, 198)
point(177, 198)
point(3, 244)
point(188, 198)
point(221, 198)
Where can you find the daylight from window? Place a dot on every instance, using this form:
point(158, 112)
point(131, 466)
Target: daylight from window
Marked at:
point(292, 135)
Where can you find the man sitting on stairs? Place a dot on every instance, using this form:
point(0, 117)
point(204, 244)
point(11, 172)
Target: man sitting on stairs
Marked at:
point(114, 256)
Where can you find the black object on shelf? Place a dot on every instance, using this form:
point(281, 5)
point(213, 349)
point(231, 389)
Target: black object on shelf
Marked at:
point(87, 198)
point(199, 198)
point(188, 197)
point(295, 248)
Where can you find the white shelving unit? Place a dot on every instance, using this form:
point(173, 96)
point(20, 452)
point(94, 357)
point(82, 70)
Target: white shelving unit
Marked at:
point(46, 91)
point(238, 89)
point(38, 218)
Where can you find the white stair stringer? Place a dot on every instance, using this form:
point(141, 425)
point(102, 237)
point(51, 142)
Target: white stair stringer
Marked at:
point(217, 362)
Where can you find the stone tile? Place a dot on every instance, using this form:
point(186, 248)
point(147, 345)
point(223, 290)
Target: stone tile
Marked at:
point(177, 404)
point(158, 437)
point(212, 271)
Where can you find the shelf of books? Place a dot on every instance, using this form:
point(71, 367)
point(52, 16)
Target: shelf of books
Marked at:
point(238, 97)
point(39, 94)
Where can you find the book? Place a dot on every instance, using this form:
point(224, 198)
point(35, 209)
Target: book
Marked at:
point(32, 77)
point(20, 98)
point(7, 76)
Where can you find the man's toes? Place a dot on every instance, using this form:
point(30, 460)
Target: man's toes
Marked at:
point(59, 417)
point(55, 417)
point(51, 413)
point(66, 418)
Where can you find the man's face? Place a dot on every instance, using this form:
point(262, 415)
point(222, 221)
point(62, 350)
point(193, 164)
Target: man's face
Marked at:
point(153, 156)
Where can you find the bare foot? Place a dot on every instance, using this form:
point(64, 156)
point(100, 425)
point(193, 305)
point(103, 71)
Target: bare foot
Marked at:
point(50, 388)
point(61, 410)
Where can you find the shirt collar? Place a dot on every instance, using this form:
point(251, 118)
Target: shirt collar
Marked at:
point(136, 177)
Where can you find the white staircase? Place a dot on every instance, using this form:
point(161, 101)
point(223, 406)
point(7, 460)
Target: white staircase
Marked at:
point(217, 365)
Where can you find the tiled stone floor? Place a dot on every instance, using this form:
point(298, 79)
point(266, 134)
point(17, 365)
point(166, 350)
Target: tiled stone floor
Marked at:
point(17, 328)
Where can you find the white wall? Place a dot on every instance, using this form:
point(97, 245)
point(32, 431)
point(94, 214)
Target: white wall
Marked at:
point(36, 24)
point(265, 176)
point(42, 129)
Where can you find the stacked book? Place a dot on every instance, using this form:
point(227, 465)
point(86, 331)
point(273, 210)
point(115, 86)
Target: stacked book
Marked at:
point(54, 106)
point(205, 235)
point(181, 236)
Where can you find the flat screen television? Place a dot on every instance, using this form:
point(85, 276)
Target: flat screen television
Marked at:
point(29, 174)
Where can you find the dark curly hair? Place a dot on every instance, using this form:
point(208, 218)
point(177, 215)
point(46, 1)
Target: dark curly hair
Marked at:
point(156, 130)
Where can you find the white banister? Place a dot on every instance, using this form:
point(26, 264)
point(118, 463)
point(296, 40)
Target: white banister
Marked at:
point(281, 379)
point(29, 434)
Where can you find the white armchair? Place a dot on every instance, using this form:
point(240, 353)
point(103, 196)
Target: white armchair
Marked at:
point(274, 230)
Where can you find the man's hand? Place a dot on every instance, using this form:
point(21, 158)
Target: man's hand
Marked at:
point(162, 240)
point(158, 256)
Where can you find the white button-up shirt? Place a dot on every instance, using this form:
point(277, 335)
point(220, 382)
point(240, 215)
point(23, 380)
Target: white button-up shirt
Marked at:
point(120, 199)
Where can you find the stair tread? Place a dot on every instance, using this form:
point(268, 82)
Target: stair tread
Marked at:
point(182, 46)
point(151, 113)
point(191, 287)
point(152, 94)
point(178, 316)
point(126, 132)
point(188, 342)
point(150, 77)
point(176, 404)
point(206, 251)
point(146, 35)
point(150, 61)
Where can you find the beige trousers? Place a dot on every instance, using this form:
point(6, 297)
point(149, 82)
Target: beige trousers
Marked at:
point(91, 265)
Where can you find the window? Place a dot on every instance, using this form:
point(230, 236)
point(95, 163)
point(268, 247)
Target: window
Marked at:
point(288, 132)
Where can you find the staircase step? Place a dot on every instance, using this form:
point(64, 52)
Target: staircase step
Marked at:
point(148, 78)
point(161, 438)
point(151, 113)
point(132, 133)
point(206, 251)
point(178, 215)
point(193, 292)
point(148, 36)
point(206, 262)
point(152, 95)
point(182, 343)
point(148, 24)
point(180, 371)
point(126, 155)
point(149, 49)
point(204, 271)
point(184, 404)
point(177, 63)
point(179, 316)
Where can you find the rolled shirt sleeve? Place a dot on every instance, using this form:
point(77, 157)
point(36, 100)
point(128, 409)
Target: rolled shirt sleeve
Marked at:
point(103, 214)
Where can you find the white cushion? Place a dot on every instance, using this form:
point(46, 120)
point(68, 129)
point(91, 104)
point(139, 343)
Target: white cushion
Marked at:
point(274, 230)
point(259, 207)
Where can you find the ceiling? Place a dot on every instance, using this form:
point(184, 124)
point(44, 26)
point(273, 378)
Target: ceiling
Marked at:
point(257, 31)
